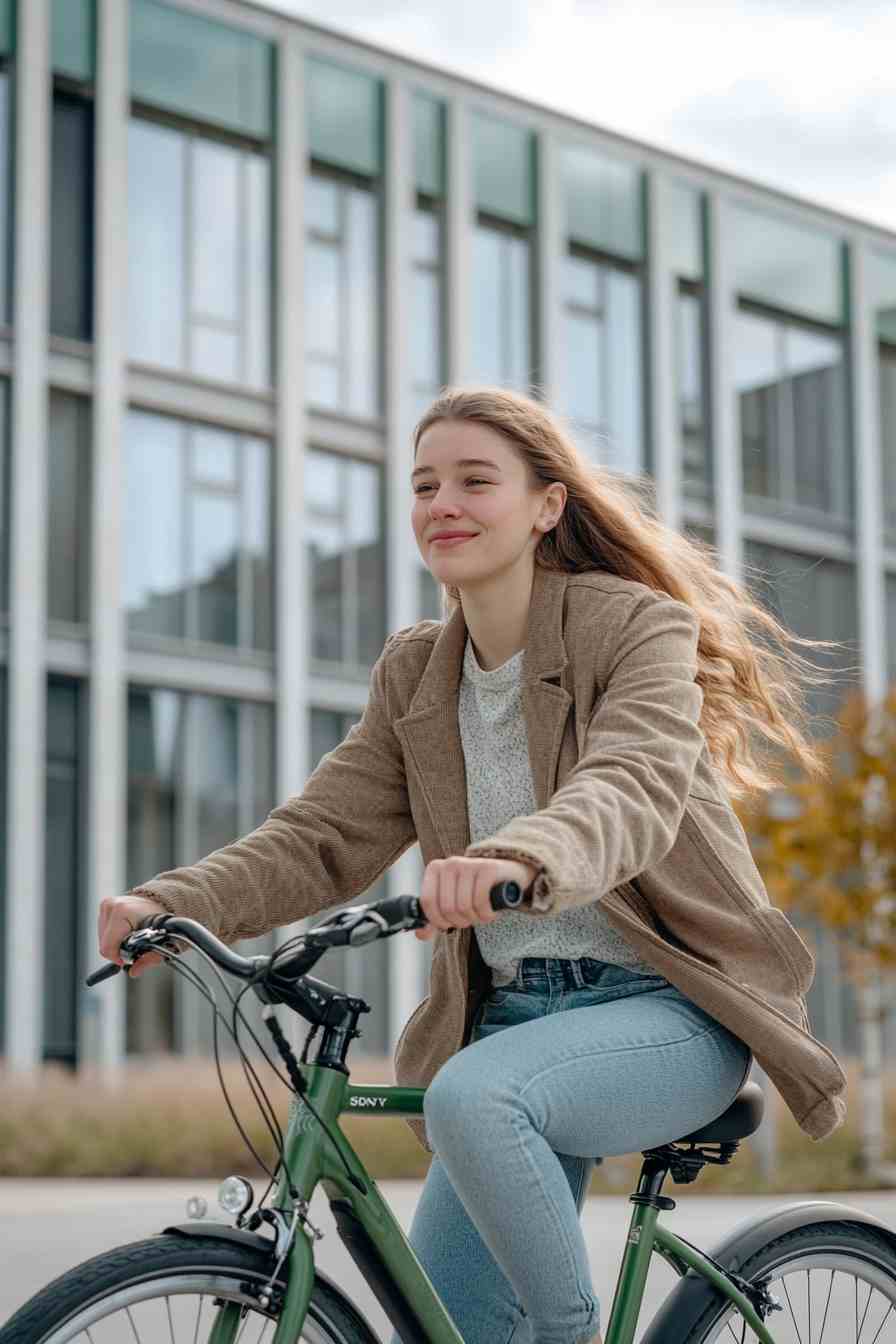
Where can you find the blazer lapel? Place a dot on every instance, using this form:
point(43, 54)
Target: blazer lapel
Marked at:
point(430, 733)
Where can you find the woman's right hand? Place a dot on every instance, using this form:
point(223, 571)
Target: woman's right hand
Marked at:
point(119, 916)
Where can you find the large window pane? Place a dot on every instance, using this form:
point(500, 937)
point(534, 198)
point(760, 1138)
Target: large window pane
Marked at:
point(156, 274)
point(73, 41)
point(502, 311)
point(196, 534)
point(794, 434)
point(62, 956)
point(6, 156)
point(696, 459)
point(602, 200)
point(199, 776)
point(887, 413)
point(344, 116)
point(429, 144)
point(342, 309)
point(815, 598)
point(503, 169)
point(601, 369)
point(881, 287)
point(789, 266)
point(199, 254)
point(346, 558)
point(191, 64)
point(686, 231)
point(68, 504)
point(427, 315)
point(71, 225)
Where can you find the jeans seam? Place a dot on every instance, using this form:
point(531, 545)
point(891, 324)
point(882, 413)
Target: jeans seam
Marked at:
point(622, 1049)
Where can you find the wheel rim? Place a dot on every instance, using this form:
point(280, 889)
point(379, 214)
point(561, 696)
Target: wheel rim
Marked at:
point(826, 1296)
point(177, 1309)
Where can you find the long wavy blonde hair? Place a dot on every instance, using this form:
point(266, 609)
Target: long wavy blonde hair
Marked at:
point(754, 708)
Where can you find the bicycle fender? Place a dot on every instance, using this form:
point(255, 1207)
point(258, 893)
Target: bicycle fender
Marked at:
point(224, 1232)
point(693, 1294)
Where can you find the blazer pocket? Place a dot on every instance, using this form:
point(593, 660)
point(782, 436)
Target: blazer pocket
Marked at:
point(789, 943)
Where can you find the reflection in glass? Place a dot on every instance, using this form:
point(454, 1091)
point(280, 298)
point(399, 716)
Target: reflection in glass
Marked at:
point(156, 171)
point(210, 317)
point(71, 217)
point(68, 505)
point(817, 599)
point(64, 825)
point(696, 460)
point(886, 380)
point(152, 531)
point(341, 297)
point(601, 369)
point(196, 532)
point(503, 169)
point(346, 557)
point(502, 322)
point(214, 536)
point(199, 777)
point(602, 199)
point(5, 199)
point(790, 266)
point(427, 352)
point(794, 437)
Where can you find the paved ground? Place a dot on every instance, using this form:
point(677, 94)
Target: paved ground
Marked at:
point(47, 1226)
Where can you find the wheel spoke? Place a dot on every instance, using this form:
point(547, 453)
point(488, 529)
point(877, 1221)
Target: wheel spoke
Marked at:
point(170, 1322)
point(887, 1315)
point(826, 1306)
point(198, 1314)
point(792, 1317)
point(133, 1326)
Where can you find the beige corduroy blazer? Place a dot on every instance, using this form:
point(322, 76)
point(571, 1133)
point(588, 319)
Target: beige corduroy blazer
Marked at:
point(631, 812)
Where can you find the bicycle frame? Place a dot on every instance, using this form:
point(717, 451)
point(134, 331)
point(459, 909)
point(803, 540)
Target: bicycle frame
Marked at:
point(311, 1158)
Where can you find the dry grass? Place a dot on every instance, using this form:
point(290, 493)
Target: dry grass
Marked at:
point(168, 1118)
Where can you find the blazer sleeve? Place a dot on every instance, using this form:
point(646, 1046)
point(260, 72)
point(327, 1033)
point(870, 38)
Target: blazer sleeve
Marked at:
point(320, 848)
point(619, 809)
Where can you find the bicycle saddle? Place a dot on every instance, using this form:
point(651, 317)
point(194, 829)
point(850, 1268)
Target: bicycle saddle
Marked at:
point(742, 1117)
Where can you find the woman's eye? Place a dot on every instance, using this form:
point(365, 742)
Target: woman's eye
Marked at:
point(473, 480)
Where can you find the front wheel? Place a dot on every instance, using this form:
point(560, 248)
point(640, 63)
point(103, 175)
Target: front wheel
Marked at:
point(835, 1282)
point(173, 1288)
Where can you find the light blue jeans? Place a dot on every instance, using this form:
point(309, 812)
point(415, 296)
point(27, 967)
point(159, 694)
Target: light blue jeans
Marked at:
point(571, 1062)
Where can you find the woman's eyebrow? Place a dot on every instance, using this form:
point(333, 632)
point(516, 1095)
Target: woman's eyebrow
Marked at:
point(461, 462)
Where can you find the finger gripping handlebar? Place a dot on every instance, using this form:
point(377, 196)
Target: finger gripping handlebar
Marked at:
point(402, 912)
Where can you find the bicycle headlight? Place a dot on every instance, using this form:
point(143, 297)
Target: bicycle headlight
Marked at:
point(235, 1195)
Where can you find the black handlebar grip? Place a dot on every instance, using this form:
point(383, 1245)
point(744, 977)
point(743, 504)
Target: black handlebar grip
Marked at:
point(104, 973)
point(505, 895)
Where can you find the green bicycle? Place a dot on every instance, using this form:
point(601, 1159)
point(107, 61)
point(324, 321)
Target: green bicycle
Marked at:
point(813, 1272)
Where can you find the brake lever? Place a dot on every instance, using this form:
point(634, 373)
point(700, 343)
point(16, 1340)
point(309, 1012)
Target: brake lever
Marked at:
point(145, 935)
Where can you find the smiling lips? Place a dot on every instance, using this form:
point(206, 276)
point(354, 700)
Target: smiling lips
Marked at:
point(455, 540)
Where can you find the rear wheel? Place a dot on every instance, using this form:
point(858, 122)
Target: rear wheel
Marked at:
point(173, 1289)
point(836, 1283)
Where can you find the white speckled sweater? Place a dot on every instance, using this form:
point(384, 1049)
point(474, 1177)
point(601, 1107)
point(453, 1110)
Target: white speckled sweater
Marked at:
point(499, 787)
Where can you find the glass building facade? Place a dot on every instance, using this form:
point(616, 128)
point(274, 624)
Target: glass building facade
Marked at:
point(269, 247)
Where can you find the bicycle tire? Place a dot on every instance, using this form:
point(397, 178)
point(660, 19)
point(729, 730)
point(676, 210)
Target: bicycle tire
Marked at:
point(831, 1248)
point(125, 1277)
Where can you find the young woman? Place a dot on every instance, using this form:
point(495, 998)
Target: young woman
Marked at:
point(579, 723)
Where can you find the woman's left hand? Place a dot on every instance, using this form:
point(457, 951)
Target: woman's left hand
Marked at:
point(456, 891)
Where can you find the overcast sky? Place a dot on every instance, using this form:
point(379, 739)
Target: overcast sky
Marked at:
point(797, 95)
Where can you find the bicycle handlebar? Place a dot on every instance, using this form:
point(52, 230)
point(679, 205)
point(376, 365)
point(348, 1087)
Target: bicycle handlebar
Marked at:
point(379, 919)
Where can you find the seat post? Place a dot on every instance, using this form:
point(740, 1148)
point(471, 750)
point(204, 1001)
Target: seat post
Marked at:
point(654, 1170)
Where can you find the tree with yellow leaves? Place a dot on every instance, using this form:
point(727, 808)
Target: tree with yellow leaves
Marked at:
point(826, 846)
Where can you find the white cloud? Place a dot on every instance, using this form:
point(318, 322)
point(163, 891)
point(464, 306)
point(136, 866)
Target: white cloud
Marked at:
point(798, 94)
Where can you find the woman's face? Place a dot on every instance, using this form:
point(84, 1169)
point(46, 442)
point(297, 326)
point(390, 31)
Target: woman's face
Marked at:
point(488, 498)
